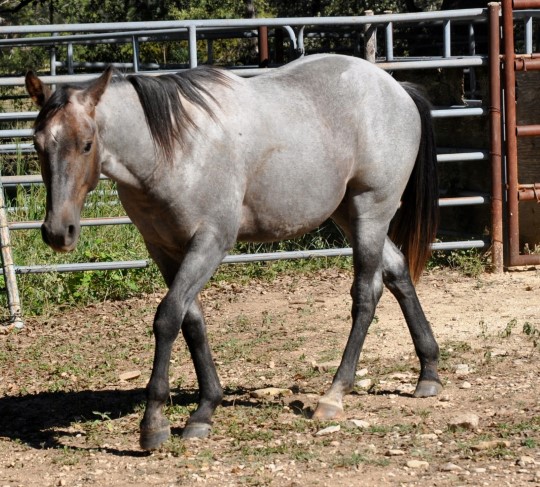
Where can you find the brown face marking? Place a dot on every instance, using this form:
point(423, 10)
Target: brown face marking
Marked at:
point(66, 142)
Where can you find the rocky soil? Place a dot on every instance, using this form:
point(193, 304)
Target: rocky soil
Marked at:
point(72, 390)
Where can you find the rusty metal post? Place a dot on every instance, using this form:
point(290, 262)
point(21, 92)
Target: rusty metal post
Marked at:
point(525, 4)
point(370, 40)
point(14, 304)
point(511, 137)
point(263, 46)
point(497, 247)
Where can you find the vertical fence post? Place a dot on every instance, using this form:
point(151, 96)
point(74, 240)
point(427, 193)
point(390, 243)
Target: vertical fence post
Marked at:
point(263, 46)
point(192, 30)
point(10, 278)
point(370, 39)
point(389, 42)
point(497, 249)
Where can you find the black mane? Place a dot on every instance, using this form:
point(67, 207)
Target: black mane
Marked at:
point(162, 99)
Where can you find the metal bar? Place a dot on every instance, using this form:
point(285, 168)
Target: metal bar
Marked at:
point(370, 39)
point(17, 116)
point(389, 34)
point(70, 58)
point(524, 4)
point(464, 15)
point(529, 193)
point(527, 130)
point(136, 53)
point(447, 39)
point(231, 259)
point(458, 62)
point(8, 268)
point(86, 222)
point(462, 156)
point(263, 46)
point(463, 201)
point(192, 46)
point(528, 35)
point(458, 112)
point(524, 64)
point(16, 133)
point(497, 246)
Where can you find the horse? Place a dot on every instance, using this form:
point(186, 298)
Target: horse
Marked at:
point(204, 158)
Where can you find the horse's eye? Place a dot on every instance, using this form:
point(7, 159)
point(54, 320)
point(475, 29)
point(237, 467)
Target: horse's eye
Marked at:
point(87, 147)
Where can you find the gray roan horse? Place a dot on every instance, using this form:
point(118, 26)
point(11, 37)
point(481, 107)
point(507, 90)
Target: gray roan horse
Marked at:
point(205, 158)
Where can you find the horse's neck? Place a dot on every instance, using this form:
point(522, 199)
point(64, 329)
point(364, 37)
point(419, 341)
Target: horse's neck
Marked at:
point(128, 155)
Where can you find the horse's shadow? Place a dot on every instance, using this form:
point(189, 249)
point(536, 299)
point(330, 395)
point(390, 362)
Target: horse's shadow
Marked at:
point(43, 420)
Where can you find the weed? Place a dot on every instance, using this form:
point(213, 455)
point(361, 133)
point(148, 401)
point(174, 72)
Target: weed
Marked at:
point(533, 333)
point(508, 329)
point(67, 456)
point(470, 263)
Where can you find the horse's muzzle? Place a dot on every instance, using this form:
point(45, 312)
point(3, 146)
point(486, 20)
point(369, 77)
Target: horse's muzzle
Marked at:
point(60, 238)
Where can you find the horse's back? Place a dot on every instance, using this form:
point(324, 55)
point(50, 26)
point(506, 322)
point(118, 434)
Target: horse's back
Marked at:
point(330, 125)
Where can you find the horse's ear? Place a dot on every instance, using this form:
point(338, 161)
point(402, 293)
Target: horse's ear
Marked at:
point(92, 94)
point(38, 91)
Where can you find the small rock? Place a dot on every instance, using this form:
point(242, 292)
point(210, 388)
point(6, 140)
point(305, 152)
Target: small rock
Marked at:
point(358, 423)
point(479, 470)
point(364, 383)
point(394, 453)
point(462, 369)
point(468, 421)
point(490, 445)
point(450, 467)
point(428, 436)
point(417, 464)
point(270, 392)
point(133, 374)
point(329, 430)
point(362, 372)
point(465, 385)
point(525, 461)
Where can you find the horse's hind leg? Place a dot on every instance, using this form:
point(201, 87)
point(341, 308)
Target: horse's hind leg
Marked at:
point(397, 280)
point(367, 237)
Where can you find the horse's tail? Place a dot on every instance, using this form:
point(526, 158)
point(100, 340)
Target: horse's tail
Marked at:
point(415, 225)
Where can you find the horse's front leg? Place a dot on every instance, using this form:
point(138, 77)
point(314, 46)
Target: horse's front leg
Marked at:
point(179, 309)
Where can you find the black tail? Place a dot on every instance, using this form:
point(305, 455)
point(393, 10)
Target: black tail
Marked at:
point(415, 226)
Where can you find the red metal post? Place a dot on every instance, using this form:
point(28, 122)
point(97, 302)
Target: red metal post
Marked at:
point(497, 248)
point(525, 4)
point(511, 138)
point(263, 46)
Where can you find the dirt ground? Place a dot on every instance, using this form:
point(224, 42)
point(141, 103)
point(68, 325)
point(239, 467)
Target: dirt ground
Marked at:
point(72, 390)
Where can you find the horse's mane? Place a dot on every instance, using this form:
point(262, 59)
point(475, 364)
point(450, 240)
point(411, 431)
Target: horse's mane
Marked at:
point(163, 101)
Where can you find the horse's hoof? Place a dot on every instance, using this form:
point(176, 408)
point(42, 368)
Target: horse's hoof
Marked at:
point(196, 430)
point(152, 439)
point(327, 410)
point(428, 388)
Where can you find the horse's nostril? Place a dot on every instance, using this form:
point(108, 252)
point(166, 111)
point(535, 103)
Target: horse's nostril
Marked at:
point(71, 230)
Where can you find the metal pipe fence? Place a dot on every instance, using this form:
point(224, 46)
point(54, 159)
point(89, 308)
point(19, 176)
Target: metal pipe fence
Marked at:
point(194, 30)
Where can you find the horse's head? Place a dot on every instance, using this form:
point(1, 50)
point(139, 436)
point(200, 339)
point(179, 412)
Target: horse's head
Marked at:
point(66, 140)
